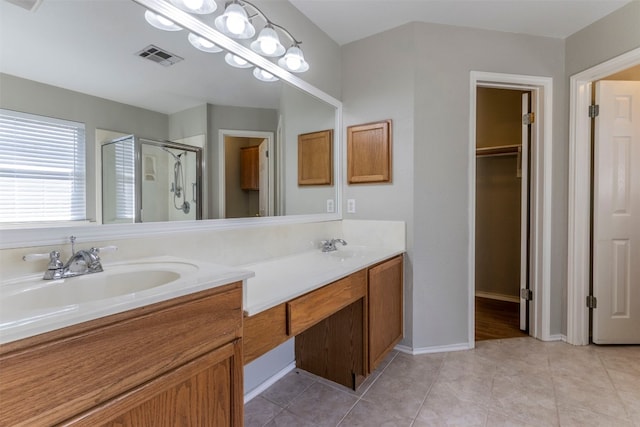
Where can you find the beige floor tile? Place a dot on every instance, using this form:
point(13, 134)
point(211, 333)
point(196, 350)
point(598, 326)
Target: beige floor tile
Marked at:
point(367, 414)
point(287, 419)
point(579, 417)
point(444, 406)
point(498, 419)
point(515, 382)
point(289, 387)
point(323, 405)
point(464, 364)
point(586, 393)
point(399, 395)
point(529, 398)
point(259, 411)
point(421, 366)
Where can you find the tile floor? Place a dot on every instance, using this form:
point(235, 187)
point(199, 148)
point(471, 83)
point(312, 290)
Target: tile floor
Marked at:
point(509, 382)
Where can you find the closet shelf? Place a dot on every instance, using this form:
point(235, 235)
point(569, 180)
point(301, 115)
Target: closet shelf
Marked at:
point(500, 150)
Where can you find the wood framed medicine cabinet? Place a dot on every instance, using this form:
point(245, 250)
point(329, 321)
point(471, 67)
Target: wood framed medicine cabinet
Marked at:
point(369, 152)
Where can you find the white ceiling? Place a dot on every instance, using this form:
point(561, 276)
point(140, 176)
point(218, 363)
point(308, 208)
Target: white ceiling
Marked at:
point(349, 20)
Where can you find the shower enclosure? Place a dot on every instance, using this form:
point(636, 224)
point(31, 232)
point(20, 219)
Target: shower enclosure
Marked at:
point(148, 181)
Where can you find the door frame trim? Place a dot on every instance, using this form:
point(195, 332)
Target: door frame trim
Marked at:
point(540, 194)
point(222, 169)
point(579, 220)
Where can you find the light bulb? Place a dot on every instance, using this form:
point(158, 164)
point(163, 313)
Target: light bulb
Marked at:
point(268, 45)
point(164, 21)
point(239, 61)
point(293, 62)
point(160, 22)
point(235, 23)
point(205, 43)
point(194, 4)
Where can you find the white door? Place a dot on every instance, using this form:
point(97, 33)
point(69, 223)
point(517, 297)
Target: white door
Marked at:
point(616, 217)
point(263, 178)
point(523, 172)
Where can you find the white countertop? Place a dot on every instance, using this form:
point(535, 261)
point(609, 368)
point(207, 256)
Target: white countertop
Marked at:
point(30, 306)
point(282, 279)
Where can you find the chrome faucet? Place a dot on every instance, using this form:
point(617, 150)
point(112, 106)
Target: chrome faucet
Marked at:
point(330, 245)
point(81, 262)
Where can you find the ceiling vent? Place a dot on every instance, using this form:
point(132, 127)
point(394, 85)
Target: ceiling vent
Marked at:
point(159, 56)
point(30, 5)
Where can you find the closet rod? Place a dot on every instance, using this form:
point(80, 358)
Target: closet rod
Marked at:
point(500, 150)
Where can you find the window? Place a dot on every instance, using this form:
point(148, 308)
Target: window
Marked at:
point(42, 169)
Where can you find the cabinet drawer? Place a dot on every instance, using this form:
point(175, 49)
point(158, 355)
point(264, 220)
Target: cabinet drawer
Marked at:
point(73, 374)
point(309, 309)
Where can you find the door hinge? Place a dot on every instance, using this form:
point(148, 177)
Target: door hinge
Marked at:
point(529, 118)
point(592, 302)
point(526, 294)
point(594, 111)
point(266, 153)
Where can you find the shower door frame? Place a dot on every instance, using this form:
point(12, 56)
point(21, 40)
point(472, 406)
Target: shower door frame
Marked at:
point(137, 149)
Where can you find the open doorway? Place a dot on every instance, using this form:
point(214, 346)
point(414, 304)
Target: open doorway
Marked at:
point(246, 182)
point(539, 245)
point(502, 212)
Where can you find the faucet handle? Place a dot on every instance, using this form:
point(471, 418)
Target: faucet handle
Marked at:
point(96, 251)
point(53, 256)
point(36, 257)
point(111, 248)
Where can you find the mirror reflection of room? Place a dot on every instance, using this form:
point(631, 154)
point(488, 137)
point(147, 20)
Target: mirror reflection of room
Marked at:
point(115, 92)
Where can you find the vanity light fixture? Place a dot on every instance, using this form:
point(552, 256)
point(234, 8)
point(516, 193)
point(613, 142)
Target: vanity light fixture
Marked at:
point(236, 61)
point(203, 44)
point(160, 22)
point(263, 75)
point(236, 22)
point(199, 7)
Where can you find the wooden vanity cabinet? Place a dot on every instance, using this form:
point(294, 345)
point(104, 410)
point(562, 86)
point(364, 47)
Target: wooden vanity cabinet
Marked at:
point(174, 363)
point(385, 309)
point(249, 168)
point(342, 330)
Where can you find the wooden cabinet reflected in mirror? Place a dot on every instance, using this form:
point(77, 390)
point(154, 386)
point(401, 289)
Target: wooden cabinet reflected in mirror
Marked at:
point(315, 153)
point(249, 168)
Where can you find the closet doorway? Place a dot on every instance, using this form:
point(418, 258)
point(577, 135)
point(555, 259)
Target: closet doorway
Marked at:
point(503, 135)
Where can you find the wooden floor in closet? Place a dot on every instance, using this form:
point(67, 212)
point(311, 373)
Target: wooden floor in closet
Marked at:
point(497, 319)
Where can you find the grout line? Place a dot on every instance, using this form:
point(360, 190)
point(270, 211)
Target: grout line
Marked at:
point(415, 417)
point(359, 398)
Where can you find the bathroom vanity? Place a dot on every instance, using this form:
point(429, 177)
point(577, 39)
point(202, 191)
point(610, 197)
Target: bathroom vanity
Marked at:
point(176, 362)
point(343, 328)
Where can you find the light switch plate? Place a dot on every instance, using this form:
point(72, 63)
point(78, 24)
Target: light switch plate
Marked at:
point(331, 206)
point(351, 206)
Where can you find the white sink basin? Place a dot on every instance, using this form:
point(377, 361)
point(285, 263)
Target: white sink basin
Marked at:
point(32, 305)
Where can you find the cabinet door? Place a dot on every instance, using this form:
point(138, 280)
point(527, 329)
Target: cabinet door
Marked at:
point(385, 309)
point(249, 164)
point(205, 392)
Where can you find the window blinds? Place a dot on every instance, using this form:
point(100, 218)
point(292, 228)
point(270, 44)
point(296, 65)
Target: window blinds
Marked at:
point(42, 168)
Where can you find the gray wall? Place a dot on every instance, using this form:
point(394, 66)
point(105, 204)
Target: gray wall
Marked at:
point(607, 38)
point(302, 113)
point(422, 83)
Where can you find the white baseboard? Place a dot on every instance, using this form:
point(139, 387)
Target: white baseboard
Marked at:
point(557, 337)
point(433, 349)
point(269, 382)
point(499, 297)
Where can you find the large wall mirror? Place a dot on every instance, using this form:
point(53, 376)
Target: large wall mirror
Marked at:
point(80, 61)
